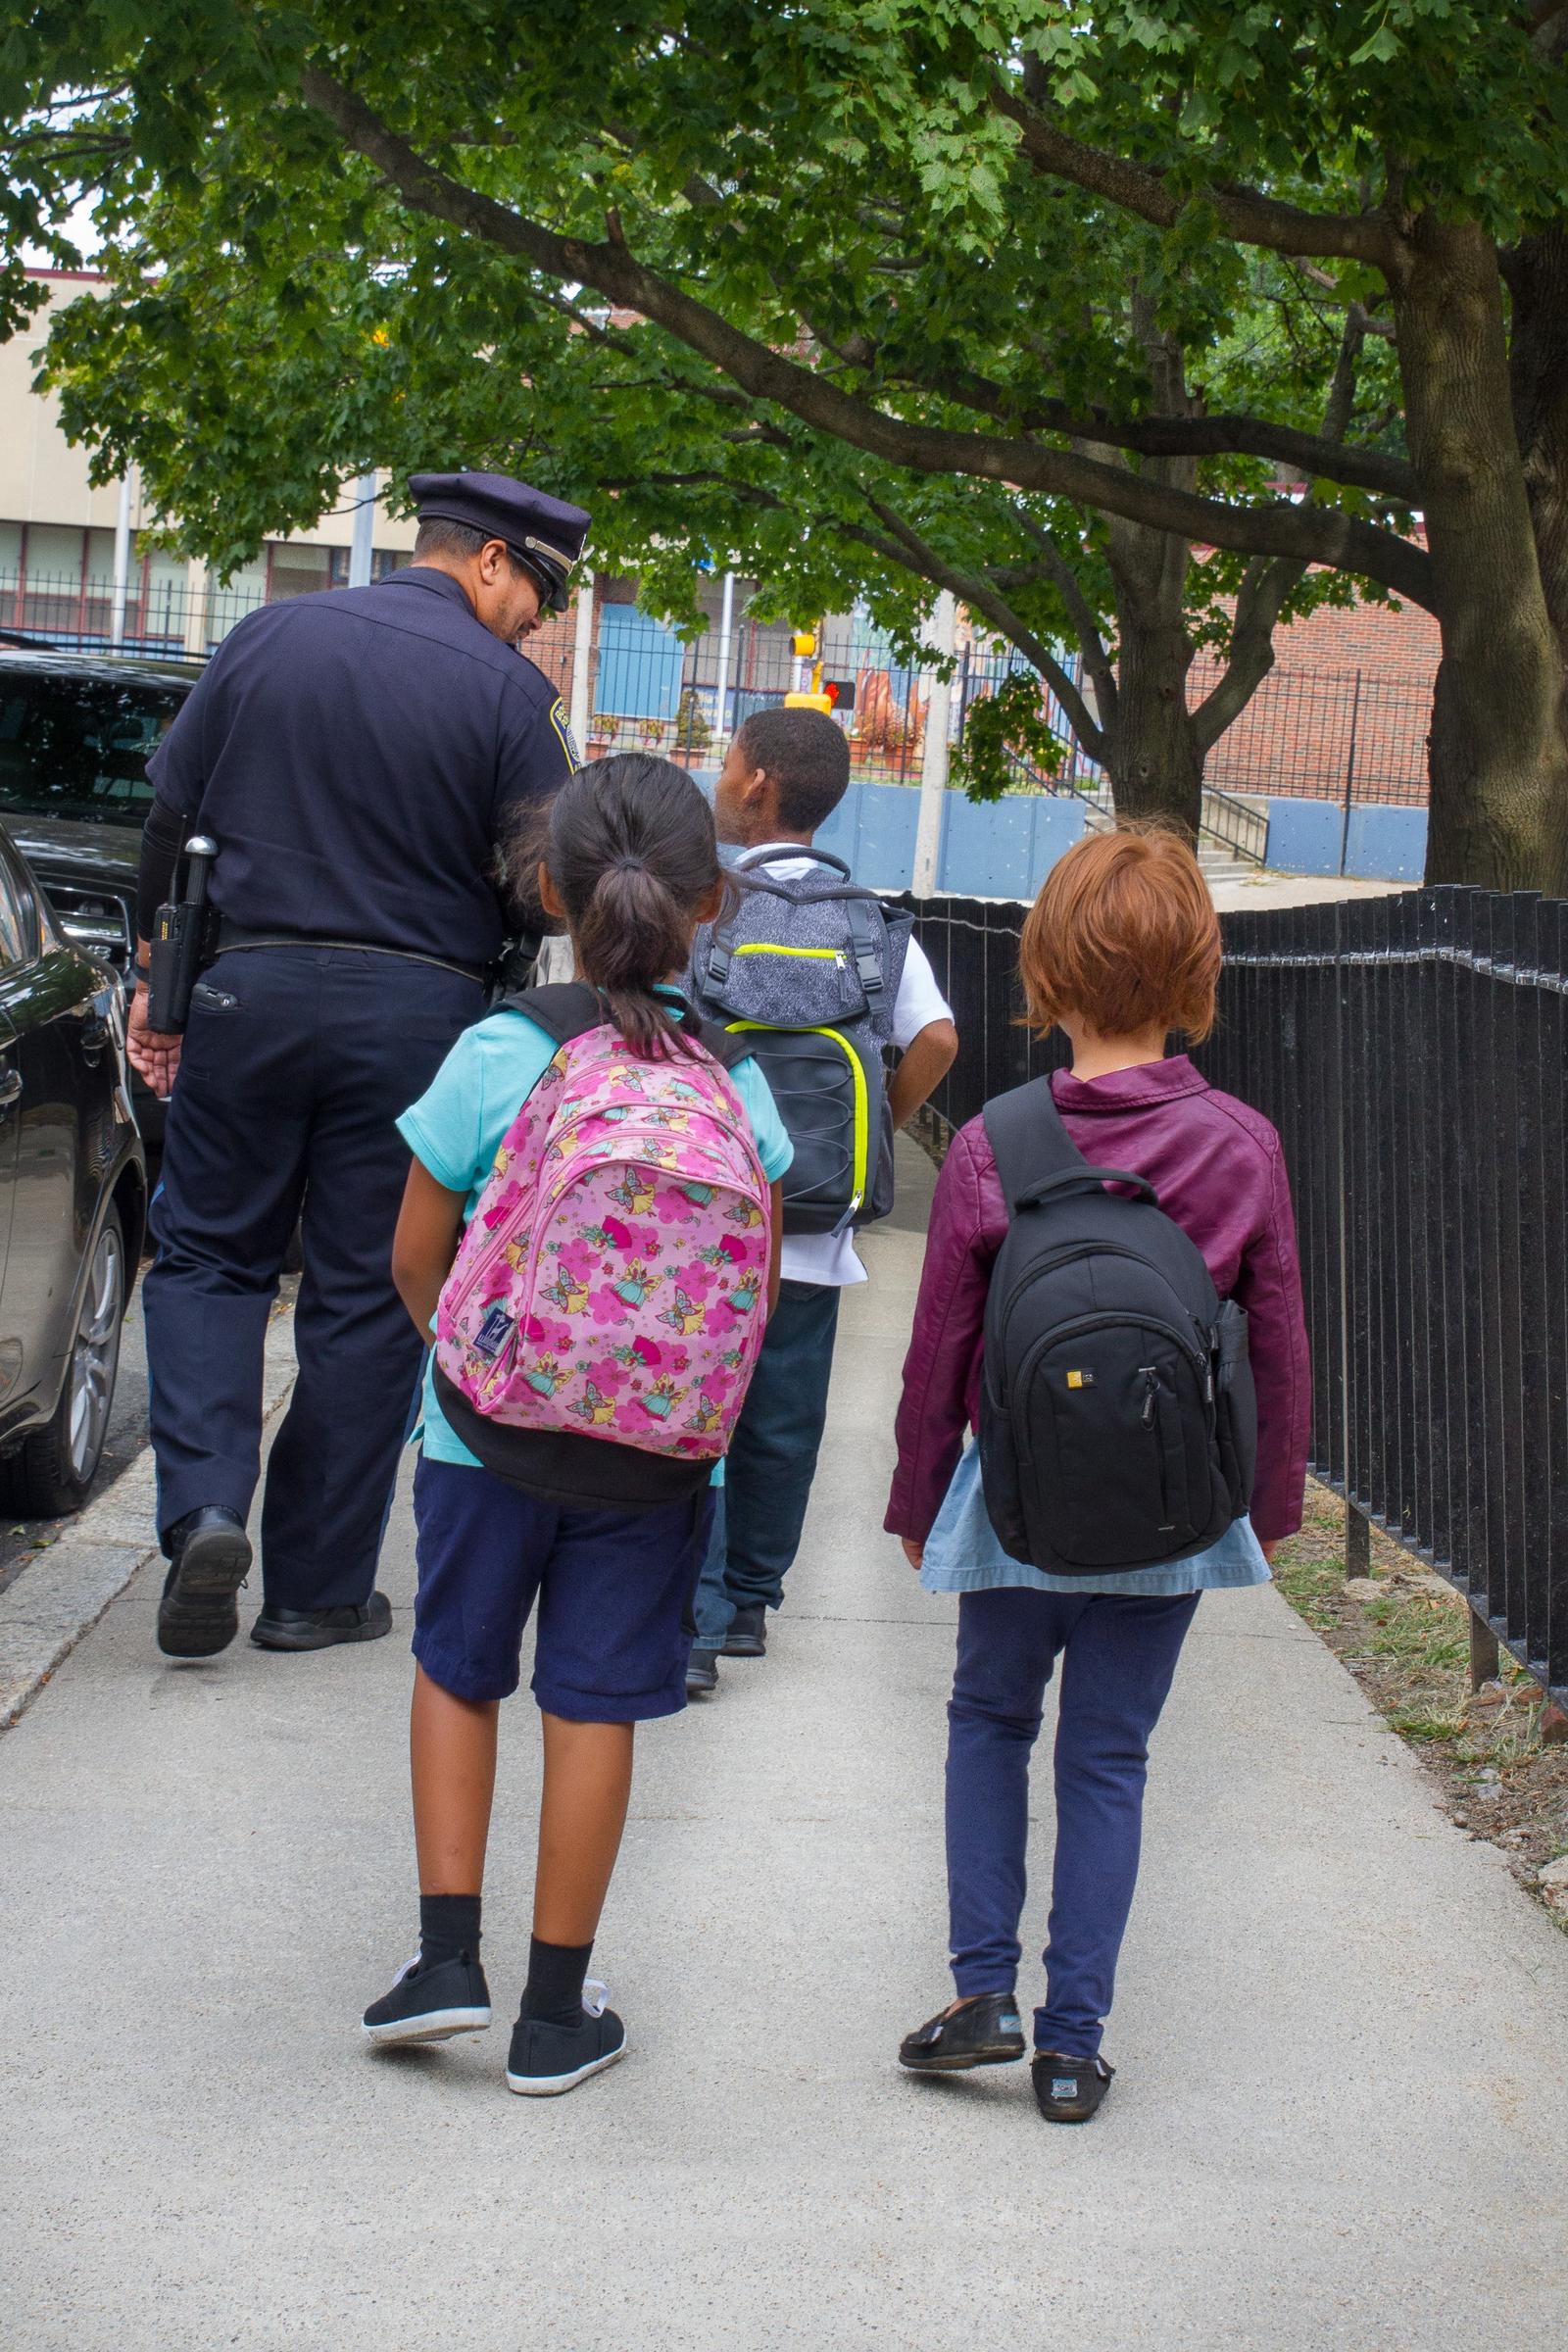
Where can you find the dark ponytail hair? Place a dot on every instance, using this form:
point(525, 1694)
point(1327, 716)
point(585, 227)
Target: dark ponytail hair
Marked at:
point(630, 846)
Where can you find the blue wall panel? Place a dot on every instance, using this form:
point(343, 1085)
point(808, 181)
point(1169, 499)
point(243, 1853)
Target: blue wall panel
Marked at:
point(1304, 836)
point(640, 664)
point(1387, 845)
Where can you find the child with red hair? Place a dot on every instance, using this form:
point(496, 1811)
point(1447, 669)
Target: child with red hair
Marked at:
point(1121, 948)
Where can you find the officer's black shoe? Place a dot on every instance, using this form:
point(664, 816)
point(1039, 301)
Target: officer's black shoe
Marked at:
point(985, 2032)
point(320, 1629)
point(748, 1633)
point(702, 1673)
point(1070, 2090)
point(210, 1556)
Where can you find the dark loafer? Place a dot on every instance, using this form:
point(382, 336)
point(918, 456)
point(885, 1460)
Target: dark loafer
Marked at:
point(987, 2032)
point(211, 1557)
point(1070, 2090)
point(322, 1629)
point(748, 1634)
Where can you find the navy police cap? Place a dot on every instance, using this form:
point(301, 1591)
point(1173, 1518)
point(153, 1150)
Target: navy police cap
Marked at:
point(545, 534)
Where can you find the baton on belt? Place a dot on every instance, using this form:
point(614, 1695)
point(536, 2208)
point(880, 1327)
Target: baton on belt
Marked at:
point(179, 947)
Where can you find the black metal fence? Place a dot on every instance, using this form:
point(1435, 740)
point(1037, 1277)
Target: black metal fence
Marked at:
point(1412, 1050)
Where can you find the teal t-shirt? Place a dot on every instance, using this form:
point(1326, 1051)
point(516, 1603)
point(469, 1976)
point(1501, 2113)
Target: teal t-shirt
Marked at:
point(459, 1123)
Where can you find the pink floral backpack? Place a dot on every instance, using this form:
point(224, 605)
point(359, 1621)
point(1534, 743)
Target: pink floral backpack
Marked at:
point(597, 1330)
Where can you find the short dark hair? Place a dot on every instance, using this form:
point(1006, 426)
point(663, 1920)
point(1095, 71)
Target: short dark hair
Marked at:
point(438, 536)
point(805, 757)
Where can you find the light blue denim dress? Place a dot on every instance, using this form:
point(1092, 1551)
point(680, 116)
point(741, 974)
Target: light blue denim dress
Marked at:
point(962, 1553)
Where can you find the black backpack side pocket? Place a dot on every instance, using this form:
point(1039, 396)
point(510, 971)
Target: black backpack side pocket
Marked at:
point(1235, 1404)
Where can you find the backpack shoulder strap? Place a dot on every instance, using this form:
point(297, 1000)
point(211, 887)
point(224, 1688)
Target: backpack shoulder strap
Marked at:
point(1028, 1140)
point(566, 1009)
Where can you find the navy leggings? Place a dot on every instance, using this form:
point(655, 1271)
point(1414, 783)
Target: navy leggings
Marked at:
point(1118, 1653)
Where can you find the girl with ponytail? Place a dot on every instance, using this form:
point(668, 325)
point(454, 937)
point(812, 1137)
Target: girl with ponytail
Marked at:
point(626, 857)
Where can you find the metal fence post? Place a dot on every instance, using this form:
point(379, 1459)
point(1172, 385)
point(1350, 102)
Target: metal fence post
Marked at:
point(1349, 774)
point(117, 615)
point(1484, 1655)
point(582, 653)
point(361, 547)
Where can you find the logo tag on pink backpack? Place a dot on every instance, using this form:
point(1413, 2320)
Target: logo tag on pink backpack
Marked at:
point(613, 1280)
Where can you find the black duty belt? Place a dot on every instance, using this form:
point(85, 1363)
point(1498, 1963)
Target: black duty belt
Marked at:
point(231, 936)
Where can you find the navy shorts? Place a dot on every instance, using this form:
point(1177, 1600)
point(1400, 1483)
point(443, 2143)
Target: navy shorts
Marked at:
point(614, 1592)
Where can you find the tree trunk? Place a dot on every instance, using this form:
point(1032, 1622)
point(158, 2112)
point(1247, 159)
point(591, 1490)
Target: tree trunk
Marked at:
point(1152, 755)
point(1538, 362)
point(1497, 755)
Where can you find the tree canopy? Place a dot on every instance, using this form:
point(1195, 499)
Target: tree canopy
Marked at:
point(1006, 299)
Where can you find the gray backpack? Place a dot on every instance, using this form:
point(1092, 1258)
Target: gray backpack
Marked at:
point(811, 965)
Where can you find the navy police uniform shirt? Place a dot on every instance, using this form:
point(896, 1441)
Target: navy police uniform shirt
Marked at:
point(354, 755)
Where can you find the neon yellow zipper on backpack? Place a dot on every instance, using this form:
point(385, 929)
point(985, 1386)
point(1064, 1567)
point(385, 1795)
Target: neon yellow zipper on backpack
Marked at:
point(863, 1108)
point(765, 947)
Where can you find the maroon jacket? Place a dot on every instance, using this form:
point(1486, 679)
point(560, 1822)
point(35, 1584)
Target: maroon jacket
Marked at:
point(1219, 1171)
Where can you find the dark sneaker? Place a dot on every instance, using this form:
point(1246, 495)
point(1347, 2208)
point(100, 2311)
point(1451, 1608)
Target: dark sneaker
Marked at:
point(429, 2005)
point(748, 1634)
point(702, 1673)
point(985, 2032)
point(1069, 2089)
point(322, 1629)
point(210, 1556)
point(545, 2060)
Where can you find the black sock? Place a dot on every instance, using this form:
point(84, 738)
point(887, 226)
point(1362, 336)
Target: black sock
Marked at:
point(553, 1994)
point(449, 1927)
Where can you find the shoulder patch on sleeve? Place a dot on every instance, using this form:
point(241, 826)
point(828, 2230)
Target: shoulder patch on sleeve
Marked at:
point(562, 727)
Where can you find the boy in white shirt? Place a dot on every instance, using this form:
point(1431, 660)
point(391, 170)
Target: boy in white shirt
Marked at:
point(784, 774)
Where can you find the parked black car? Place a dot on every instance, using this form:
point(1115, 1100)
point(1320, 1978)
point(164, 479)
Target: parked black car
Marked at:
point(73, 1200)
point(77, 731)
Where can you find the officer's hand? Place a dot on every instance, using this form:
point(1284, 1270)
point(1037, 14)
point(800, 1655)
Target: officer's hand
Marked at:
point(154, 1055)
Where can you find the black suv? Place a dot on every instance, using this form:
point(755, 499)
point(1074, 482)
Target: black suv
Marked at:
point(76, 731)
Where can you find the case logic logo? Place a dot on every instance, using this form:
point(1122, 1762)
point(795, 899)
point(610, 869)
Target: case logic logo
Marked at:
point(1080, 1380)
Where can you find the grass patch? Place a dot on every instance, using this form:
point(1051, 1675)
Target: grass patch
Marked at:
point(1406, 1637)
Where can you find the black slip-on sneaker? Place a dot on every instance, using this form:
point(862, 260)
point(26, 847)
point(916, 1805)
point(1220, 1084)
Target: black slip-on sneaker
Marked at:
point(1070, 2090)
point(702, 1673)
point(545, 2059)
point(748, 1634)
point(429, 2005)
point(322, 1629)
point(985, 2032)
point(210, 1556)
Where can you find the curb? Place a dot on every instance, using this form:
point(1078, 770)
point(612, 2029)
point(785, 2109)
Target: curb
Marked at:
point(59, 1595)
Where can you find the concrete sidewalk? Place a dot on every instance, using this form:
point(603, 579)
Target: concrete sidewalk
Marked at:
point(1340, 2120)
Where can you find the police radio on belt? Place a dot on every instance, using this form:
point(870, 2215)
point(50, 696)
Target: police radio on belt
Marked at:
point(181, 942)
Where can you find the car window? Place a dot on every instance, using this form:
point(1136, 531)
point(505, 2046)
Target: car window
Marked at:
point(79, 747)
point(17, 944)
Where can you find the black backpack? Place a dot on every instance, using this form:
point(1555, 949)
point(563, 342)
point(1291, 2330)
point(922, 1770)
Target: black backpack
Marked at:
point(1118, 1425)
point(806, 967)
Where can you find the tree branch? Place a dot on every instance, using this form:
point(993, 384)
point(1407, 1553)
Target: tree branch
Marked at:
point(1315, 535)
point(1244, 214)
point(1086, 628)
point(973, 589)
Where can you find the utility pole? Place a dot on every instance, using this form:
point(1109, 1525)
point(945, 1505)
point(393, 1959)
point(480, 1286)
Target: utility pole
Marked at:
point(117, 615)
point(727, 631)
point(939, 636)
point(363, 545)
point(582, 653)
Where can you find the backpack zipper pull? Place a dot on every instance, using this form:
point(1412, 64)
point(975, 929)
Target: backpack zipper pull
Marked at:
point(1150, 1394)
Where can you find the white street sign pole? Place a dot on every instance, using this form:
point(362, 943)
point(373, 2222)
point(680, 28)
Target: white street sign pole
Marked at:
point(363, 545)
point(727, 631)
point(582, 655)
point(940, 636)
point(117, 621)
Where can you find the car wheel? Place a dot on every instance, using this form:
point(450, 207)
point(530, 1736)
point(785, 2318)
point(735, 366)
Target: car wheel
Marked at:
point(52, 1471)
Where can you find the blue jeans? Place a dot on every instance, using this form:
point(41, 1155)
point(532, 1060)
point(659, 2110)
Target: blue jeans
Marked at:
point(771, 1462)
point(1118, 1654)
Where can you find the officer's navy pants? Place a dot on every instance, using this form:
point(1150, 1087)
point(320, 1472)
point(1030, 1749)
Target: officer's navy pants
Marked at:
point(296, 1063)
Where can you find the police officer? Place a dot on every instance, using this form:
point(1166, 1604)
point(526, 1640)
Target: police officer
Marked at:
point(356, 757)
